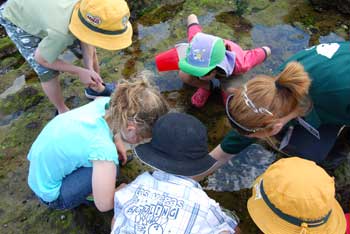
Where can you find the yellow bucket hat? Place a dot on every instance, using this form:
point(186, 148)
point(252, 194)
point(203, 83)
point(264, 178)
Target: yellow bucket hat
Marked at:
point(102, 23)
point(295, 196)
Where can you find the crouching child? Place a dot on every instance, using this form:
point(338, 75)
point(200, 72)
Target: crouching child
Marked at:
point(169, 200)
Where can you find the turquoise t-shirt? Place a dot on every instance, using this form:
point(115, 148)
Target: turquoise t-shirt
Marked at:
point(328, 66)
point(69, 141)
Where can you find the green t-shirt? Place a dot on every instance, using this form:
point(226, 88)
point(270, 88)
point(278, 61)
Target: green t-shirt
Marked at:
point(328, 66)
point(47, 19)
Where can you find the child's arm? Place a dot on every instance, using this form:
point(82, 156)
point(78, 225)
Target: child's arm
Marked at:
point(91, 63)
point(122, 185)
point(238, 230)
point(221, 158)
point(220, 219)
point(121, 149)
point(86, 76)
point(104, 175)
point(112, 223)
point(90, 57)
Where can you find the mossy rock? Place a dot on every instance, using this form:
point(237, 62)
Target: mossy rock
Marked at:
point(317, 23)
point(11, 62)
point(21, 101)
point(160, 14)
point(201, 6)
point(341, 5)
point(7, 47)
point(342, 175)
point(268, 14)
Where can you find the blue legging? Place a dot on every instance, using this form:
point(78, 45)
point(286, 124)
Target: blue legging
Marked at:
point(74, 190)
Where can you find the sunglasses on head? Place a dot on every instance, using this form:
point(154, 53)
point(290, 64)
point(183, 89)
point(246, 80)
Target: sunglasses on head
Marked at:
point(234, 123)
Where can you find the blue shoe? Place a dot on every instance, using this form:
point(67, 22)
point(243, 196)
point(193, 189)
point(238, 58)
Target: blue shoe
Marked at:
point(92, 94)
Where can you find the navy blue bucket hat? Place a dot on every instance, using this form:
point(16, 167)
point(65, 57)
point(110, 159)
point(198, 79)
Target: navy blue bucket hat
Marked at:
point(178, 146)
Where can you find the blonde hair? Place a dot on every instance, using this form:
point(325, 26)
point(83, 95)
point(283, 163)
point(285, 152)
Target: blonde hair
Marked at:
point(280, 95)
point(136, 100)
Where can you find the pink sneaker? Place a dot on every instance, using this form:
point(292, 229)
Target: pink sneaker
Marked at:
point(224, 96)
point(200, 97)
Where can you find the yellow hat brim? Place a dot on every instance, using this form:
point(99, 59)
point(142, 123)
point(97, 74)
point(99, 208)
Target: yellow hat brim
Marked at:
point(269, 223)
point(108, 42)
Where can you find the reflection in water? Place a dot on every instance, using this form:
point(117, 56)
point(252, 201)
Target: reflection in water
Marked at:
point(332, 37)
point(153, 34)
point(205, 19)
point(168, 81)
point(17, 84)
point(241, 171)
point(7, 119)
point(284, 41)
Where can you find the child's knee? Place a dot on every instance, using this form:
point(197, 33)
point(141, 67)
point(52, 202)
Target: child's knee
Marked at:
point(186, 78)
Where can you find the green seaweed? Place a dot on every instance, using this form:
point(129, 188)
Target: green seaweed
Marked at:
point(160, 14)
point(7, 47)
point(318, 23)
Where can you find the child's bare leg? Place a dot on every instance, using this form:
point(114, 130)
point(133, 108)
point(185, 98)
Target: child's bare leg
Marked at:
point(52, 89)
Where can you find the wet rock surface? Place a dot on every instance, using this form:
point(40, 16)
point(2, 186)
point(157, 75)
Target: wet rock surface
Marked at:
point(285, 26)
point(341, 5)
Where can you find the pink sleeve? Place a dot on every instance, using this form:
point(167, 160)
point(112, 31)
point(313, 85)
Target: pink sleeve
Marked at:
point(192, 30)
point(245, 59)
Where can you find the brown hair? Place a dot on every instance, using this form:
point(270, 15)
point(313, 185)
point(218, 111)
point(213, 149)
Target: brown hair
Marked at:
point(136, 100)
point(280, 95)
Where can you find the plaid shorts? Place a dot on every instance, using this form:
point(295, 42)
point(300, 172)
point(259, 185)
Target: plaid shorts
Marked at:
point(27, 44)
